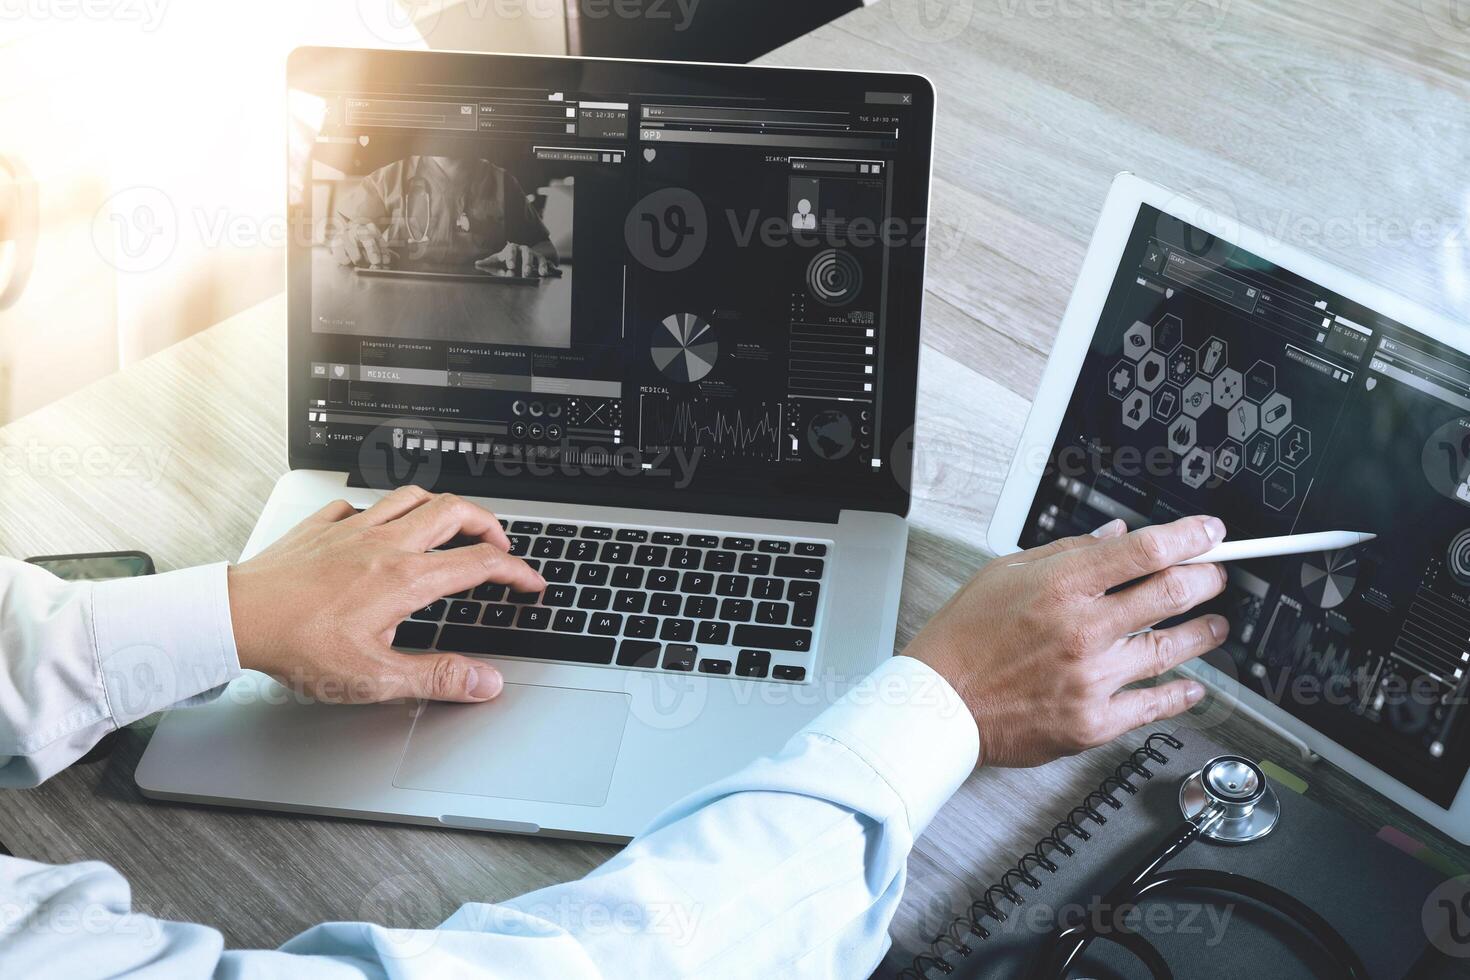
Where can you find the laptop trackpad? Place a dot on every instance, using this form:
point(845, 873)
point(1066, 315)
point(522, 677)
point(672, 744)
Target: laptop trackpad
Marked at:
point(550, 744)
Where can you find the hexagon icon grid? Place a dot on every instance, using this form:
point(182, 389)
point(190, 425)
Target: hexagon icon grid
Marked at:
point(1137, 340)
point(1135, 409)
point(1242, 420)
point(1260, 381)
point(1166, 403)
point(1213, 354)
point(1195, 468)
point(1229, 458)
point(1276, 413)
point(1260, 453)
point(1196, 397)
point(1182, 434)
point(1181, 365)
point(1227, 387)
point(1120, 379)
point(1151, 371)
point(1294, 446)
point(1168, 333)
point(1278, 488)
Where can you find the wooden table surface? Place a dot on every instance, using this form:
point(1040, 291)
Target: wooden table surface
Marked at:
point(1337, 125)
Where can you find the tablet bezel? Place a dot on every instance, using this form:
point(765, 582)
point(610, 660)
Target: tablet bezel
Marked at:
point(1084, 310)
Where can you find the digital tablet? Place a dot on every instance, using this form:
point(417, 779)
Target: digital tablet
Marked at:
point(1202, 368)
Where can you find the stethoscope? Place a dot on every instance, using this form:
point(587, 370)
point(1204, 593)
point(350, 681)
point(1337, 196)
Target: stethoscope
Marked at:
point(1228, 801)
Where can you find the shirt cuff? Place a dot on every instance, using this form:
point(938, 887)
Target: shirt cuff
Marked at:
point(162, 639)
point(907, 723)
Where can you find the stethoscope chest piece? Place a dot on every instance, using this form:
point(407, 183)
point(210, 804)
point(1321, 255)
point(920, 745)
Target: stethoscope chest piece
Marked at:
point(1230, 800)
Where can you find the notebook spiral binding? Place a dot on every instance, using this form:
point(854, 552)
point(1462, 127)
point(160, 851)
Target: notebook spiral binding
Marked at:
point(957, 936)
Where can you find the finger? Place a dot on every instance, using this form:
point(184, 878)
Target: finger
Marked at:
point(336, 511)
point(339, 251)
point(354, 251)
point(1095, 570)
point(543, 267)
point(443, 518)
point(1111, 529)
point(444, 573)
point(1173, 592)
point(394, 506)
point(440, 677)
point(1159, 651)
point(1141, 706)
point(370, 248)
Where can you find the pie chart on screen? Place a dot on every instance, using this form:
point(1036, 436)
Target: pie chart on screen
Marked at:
point(684, 347)
point(1328, 578)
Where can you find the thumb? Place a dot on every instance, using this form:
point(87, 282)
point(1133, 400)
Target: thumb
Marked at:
point(446, 677)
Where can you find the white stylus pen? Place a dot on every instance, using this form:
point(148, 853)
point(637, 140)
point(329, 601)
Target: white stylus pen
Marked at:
point(1286, 544)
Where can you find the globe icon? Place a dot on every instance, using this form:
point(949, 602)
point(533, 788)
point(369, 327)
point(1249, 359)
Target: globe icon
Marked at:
point(830, 434)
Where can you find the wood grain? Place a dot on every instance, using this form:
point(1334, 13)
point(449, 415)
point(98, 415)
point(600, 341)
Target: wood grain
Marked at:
point(1337, 125)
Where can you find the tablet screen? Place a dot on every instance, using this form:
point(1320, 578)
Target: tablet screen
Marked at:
point(1219, 383)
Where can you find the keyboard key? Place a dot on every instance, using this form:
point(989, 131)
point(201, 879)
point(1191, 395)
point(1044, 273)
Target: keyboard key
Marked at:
point(643, 627)
point(785, 673)
point(775, 547)
point(433, 612)
point(665, 604)
point(534, 618)
point(558, 571)
point(559, 595)
point(519, 545)
point(581, 550)
point(677, 629)
point(629, 602)
point(614, 553)
point(548, 547)
point(597, 533)
point(755, 564)
point(738, 544)
point(593, 574)
point(605, 624)
point(713, 633)
point(803, 596)
point(714, 666)
point(699, 583)
point(680, 656)
point(703, 541)
point(719, 561)
point(523, 598)
point(490, 592)
point(499, 614)
point(732, 585)
point(527, 643)
point(594, 598)
point(534, 564)
point(414, 636)
point(799, 567)
point(737, 610)
point(463, 612)
point(797, 590)
point(684, 558)
point(634, 534)
point(773, 637)
point(562, 530)
point(662, 580)
point(651, 556)
point(460, 595)
point(767, 588)
point(626, 577)
point(667, 537)
point(525, 527)
point(771, 613)
point(638, 653)
point(700, 607)
point(810, 549)
point(753, 663)
point(569, 621)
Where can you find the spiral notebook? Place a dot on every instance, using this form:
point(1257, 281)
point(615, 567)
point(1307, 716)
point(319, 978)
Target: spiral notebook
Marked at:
point(1373, 894)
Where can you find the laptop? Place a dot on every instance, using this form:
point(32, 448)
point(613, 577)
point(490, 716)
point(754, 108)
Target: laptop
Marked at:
point(700, 432)
point(1203, 367)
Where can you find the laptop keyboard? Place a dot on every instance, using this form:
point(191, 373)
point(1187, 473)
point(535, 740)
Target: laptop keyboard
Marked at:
point(641, 598)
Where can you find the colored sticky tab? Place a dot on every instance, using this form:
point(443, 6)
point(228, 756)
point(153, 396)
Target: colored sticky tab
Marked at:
point(1394, 837)
point(1419, 850)
point(1294, 783)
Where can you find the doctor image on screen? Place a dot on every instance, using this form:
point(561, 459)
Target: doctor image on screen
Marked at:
point(448, 213)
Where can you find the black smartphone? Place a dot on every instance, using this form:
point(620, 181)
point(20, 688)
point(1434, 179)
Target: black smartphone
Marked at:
point(96, 567)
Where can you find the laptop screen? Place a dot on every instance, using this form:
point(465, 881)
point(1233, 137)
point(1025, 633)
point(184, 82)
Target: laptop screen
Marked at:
point(706, 278)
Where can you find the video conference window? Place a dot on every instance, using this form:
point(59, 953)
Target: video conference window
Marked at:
point(1218, 383)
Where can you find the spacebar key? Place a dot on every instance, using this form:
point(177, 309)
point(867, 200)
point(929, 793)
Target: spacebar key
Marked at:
point(526, 643)
point(768, 637)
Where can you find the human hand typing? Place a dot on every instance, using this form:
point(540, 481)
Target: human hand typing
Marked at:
point(1040, 652)
point(318, 608)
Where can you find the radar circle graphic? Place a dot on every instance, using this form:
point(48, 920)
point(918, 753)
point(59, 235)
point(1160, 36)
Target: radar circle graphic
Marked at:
point(1329, 578)
point(684, 347)
point(834, 278)
point(1457, 558)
